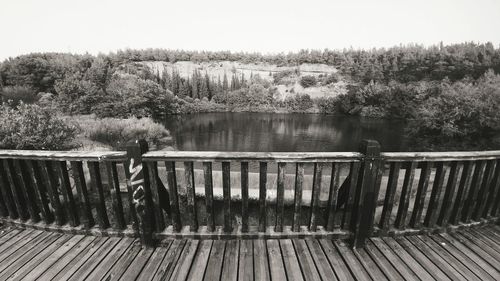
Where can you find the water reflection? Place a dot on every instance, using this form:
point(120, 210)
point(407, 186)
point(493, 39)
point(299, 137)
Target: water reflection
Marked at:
point(281, 132)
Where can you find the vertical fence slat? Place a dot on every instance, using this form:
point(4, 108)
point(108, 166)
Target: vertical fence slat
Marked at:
point(316, 191)
point(155, 184)
point(493, 193)
point(463, 188)
point(299, 180)
point(95, 180)
point(67, 193)
point(115, 193)
point(4, 212)
point(209, 195)
point(262, 195)
point(432, 208)
point(83, 196)
point(25, 182)
point(331, 223)
point(389, 195)
point(404, 200)
point(40, 190)
point(49, 180)
point(174, 195)
point(483, 192)
point(244, 196)
point(446, 207)
point(226, 190)
point(353, 182)
point(191, 196)
point(7, 194)
point(17, 194)
point(280, 197)
point(477, 179)
point(423, 184)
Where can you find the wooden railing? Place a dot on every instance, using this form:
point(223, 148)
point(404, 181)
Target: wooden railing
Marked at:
point(159, 194)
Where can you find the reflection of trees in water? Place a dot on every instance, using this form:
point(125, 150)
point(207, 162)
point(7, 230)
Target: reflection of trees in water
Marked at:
point(279, 132)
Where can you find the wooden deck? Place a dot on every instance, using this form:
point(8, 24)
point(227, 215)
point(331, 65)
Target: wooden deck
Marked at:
point(468, 254)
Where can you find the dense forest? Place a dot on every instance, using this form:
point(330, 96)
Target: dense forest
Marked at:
point(453, 91)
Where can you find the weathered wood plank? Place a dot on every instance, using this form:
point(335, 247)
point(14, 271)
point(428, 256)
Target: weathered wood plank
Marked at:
point(261, 261)
point(394, 259)
point(83, 196)
point(351, 261)
point(280, 197)
point(316, 191)
point(49, 181)
point(174, 195)
point(433, 207)
point(371, 267)
point(17, 195)
point(214, 267)
point(299, 180)
point(463, 189)
point(493, 192)
point(404, 200)
point(276, 266)
point(244, 196)
point(116, 199)
point(200, 261)
point(423, 184)
point(154, 262)
point(7, 194)
point(209, 195)
point(125, 261)
point(483, 192)
point(305, 260)
point(155, 184)
point(26, 182)
point(353, 182)
point(168, 264)
point(447, 200)
point(71, 208)
point(226, 190)
point(383, 264)
point(323, 266)
point(95, 180)
point(190, 191)
point(486, 251)
point(477, 179)
point(262, 196)
point(230, 264)
point(331, 222)
point(112, 259)
point(441, 156)
point(336, 261)
point(17, 242)
point(246, 265)
point(185, 260)
point(389, 196)
point(138, 264)
point(290, 260)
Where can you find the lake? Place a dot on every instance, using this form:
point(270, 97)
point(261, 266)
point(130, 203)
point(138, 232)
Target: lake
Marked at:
point(265, 132)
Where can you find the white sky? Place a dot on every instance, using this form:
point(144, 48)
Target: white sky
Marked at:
point(254, 25)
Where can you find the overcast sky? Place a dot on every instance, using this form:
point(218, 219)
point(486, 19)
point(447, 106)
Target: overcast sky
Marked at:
point(254, 25)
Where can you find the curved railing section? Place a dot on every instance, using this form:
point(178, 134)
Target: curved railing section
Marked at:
point(180, 194)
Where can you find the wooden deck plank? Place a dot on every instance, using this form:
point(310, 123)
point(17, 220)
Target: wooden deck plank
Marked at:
point(18, 249)
point(276, 266)
point(112, 258)
point(230, 264)
point(185, 260)
point(20, 271)
point(394, 259)
point(124, 263)
point(321, 261)
point(50, 255)
point(335, 260)
point(245, 267)
point(201, 260)
point(487, 239)
point(481, 243)
point(170, 261)
point(384, 265)
point(464, 243)
point(22, 257)
point(425, 262)
point(89, 258)
point(214, 267)
point(150, 268)
point(138, 264)
point(261, 263)
point(12, 239)
point(492, 235)
point(465, 259)
point(47, 270)
point(292, 266)
point(371, 267)
point(306, 261)
point(352, 262)
point(452, 271)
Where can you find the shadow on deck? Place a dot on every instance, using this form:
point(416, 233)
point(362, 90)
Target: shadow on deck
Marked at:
point(467, 254)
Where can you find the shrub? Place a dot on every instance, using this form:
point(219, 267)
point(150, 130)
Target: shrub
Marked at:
point(327, 105)
point(298, 102)
point(33, 127)
point(117, 132)
point(281, 75)
point(17, 94)
point(308, 81)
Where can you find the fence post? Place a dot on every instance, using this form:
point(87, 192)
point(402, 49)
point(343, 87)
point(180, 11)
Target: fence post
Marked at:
point(366, 192)
point(138, 183)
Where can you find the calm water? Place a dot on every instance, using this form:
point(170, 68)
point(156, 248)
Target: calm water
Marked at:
point(281, 132)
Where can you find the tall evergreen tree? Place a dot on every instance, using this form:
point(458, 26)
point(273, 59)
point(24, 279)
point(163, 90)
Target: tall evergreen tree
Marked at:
point(225, 84)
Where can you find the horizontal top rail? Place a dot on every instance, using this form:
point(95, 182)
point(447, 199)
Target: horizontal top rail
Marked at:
point(441, 156)
point(252, 156)
point(64, 155)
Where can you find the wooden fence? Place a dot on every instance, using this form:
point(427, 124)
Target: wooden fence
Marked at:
point(154, 195)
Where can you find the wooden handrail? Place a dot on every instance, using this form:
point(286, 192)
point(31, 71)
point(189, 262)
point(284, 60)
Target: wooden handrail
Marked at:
point(63, 155)
point(441, 156)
